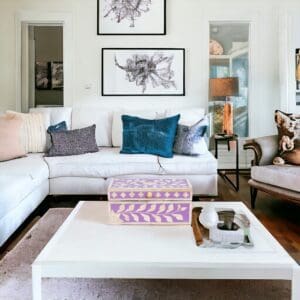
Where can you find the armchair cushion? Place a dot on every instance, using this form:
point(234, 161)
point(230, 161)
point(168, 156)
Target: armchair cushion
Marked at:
point(287, 176)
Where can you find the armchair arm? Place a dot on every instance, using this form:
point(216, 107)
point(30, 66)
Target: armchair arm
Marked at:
point(265, 149)
point(252, 145)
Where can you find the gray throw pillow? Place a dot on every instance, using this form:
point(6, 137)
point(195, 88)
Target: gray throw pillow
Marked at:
point(73, 142)
point(190, 140)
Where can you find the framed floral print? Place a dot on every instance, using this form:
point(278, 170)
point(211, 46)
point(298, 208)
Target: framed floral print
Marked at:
point(131, 17)
point(143, 72)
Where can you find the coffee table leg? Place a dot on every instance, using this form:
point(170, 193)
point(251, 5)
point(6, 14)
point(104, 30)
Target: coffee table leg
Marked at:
point(296, 284)
point(36, 283)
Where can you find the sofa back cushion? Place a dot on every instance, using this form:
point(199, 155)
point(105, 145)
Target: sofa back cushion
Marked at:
point(56, 114)
point(87, 116)
point(11, 145)
point(188, 116)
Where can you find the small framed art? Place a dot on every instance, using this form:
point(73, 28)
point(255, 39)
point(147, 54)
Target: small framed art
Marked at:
point(143, 72)
point(42, 76)
point(131, 17)
point(57, 75)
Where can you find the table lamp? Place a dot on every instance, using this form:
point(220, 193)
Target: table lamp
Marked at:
point(225, 87)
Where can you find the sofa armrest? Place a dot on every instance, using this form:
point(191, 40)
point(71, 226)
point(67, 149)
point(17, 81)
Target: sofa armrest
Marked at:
point(264, 148)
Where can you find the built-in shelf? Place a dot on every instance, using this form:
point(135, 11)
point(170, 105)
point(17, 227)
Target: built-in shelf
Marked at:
point(219, 56)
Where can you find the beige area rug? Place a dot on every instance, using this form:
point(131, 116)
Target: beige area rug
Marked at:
point(15, 278)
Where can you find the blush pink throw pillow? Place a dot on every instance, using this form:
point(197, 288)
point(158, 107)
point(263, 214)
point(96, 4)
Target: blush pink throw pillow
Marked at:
point(11, 145)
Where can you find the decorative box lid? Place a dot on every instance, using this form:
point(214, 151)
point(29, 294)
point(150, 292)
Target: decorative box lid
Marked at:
point(127, 189)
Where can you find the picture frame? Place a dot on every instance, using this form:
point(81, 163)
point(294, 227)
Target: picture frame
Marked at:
point(143, 72)
point(57, 75)
point(147, 19)
point(42, 75)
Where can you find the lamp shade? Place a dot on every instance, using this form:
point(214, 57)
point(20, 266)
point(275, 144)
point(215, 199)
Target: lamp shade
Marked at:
point(224, 87)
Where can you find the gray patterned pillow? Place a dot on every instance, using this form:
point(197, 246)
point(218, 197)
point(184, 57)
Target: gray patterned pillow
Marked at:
point(73, 142)
point(190, 140)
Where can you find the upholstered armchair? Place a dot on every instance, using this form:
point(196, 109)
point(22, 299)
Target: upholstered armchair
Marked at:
point(282, 182)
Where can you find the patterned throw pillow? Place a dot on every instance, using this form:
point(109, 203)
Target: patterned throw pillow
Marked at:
point(73, 142)
point(149, 136)
point(190, 140)
point(288, 126)
point(34, 131)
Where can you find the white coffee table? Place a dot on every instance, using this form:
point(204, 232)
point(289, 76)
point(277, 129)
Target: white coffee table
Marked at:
point(86, 246)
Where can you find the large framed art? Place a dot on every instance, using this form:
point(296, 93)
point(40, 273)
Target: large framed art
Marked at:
point(143, 72)
point(131, 17)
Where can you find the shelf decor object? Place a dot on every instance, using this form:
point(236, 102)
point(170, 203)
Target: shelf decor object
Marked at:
point(131, 17)
point(143, 72)
point(225, 88)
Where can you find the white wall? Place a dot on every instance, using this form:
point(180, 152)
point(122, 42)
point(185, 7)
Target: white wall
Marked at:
point(187, 26)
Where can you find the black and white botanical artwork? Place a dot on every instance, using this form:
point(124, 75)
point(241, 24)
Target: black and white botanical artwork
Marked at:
point(120, 10)
point(131, 17)
point(142, 72)
point(42, 76)
point(155, 70)
point(57, 75)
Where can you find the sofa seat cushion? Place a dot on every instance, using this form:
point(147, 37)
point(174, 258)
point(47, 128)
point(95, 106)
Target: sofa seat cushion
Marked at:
point(205, 164)
point(107, 162)
point(287, 176)
point(13, 190)
point(33, 165)
point(18, 178)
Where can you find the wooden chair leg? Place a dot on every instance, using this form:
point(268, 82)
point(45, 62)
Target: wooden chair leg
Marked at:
point(253, 193)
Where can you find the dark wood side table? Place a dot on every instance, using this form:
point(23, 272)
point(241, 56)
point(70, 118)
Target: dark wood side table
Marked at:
point(221, 139)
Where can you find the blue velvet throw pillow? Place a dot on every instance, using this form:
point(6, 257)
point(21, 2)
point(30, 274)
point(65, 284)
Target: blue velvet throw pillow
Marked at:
point(143, 136)
point(62, 126)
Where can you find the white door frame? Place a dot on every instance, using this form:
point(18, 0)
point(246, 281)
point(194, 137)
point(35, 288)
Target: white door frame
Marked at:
point(46, 18)
point(287, 63)
point(285, 68)
point(237, 16)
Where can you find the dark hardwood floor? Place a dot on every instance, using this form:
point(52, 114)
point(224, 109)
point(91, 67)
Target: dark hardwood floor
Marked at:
point(281, 218)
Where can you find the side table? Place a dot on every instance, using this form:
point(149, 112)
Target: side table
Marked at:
point(221, 139)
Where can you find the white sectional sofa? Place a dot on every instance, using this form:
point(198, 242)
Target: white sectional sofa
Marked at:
point(25, 182)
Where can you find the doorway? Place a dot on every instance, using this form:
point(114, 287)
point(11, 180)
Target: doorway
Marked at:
point(42, 66)
point(48, 65)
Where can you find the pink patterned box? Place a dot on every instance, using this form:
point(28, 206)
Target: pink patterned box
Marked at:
point(161, 201)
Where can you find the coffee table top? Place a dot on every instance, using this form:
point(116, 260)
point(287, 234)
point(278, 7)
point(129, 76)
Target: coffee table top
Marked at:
point(86, 237)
